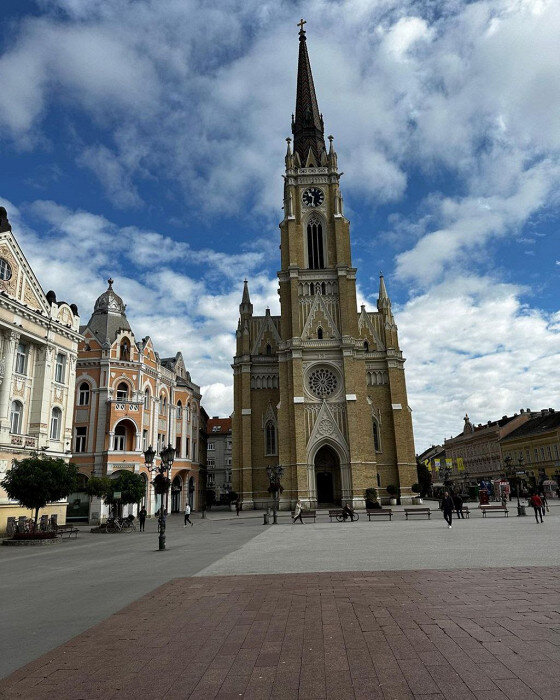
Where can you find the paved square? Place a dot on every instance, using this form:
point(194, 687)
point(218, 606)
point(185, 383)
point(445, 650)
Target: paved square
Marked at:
point(431, 634)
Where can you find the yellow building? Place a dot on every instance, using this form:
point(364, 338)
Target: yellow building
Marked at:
point(39, 341)
point(128, 398)
point(537, 444)
point(321, 388)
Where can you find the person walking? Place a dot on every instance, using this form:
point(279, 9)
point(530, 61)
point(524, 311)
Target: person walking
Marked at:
point(187, 515)
point(447, 506)
point(544, 500)
point(142, 518)
point(458, 503)
point(536, 502)
point(297, 513)
point(237, 506)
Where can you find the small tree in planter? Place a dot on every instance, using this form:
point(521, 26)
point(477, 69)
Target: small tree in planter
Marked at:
point(392, 490)
point(36, 481)
point(371, 499)
point(416, 489)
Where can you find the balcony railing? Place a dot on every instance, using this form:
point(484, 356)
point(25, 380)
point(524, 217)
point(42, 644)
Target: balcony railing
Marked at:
point(120, 405)
point(24, 441)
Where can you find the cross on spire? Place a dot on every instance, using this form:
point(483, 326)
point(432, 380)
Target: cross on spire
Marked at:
point(300, 25)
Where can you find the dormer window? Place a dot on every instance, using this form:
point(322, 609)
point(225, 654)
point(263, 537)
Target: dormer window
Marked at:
point(125, 350)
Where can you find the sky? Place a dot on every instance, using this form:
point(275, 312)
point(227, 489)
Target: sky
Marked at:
point(144, 140)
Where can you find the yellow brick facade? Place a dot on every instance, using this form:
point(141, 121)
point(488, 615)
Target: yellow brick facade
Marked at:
point(324, 380)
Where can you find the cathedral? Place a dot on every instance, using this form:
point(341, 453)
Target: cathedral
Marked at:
point(320, 389)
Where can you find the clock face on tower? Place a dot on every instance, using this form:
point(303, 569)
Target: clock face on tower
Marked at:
point(313, 197)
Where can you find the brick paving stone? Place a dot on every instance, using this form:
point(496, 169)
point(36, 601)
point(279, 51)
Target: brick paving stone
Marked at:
point(491, 634)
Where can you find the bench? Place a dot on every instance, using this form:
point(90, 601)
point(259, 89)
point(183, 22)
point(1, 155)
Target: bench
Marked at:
point(418, 511)
point(466, 512)
point(378, 512)
point(61, 530)
point(334, 513)
point(307, 514)
point(494, 509)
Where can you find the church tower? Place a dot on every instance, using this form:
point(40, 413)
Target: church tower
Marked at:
point(320, 389)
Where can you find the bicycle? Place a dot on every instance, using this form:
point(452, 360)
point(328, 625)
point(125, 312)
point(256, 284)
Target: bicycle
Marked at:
point(128, 524)
point(343, 518)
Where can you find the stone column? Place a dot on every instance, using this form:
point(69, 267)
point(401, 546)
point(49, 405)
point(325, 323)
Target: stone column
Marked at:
point(11, 340)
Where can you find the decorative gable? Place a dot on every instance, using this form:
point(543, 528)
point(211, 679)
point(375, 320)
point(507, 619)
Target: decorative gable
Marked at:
point(368, 332)
point(320, 317)
point(326, 428)
point(266, 335)
point(22, 285)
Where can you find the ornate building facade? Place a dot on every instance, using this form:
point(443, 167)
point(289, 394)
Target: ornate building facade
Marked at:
point(39, 343)
point(321, 388)
point(128, 398)
point(218, 462)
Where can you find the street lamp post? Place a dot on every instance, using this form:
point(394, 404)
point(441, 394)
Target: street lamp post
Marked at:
point(275, 473)
point(161, 484)
point(514, 474)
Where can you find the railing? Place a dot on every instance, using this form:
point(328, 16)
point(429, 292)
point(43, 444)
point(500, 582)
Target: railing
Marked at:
point(125, 405)
point(23, 441)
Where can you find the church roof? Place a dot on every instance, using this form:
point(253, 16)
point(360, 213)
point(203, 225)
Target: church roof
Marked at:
point(108, 316)
point(307, 126)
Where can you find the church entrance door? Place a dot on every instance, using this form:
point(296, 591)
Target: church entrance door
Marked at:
point(327, 476)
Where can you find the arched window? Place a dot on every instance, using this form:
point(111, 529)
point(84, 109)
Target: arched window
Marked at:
point(366, 346)
point(270, 438)
point(315, 245)
point(179, 410)
point(16, 416)
point(268, 349)
point(125, 349)
point(323, 288)
point(56, 420)
point(83, 396)
point(376, 442)
point(188, 412)
point(147, 399)
point(122, 391)
point(162, 403)
point(320, 333)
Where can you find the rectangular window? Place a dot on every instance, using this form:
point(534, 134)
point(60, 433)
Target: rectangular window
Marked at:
point(178, 447)
point(188, 446)
point(81, 439)
point(555, 451)
point(120, 442)
point(210, 446)
point(228, 461)
point(59, 368)
point(144, 440)
point(542, 453)
point(536, 454)
point(211, 463)
point(21, 358)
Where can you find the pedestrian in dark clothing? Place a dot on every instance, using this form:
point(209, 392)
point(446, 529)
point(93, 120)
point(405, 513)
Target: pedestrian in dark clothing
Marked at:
point(536, 502)
point(458, 503)
point(348, 512)
point(237, 506)
point(188, 515)
point(447, 506)
point(544, 503)
point(142, 518)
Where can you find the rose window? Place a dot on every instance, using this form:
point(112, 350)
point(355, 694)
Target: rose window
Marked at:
point(322, 383)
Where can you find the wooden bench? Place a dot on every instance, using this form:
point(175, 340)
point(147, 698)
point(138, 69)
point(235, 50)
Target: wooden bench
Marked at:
point(68, 529)
point(334, 513)
point(307, 514)
point(465, 510)
point(379, 512)
point(494, 509)
point(418, 511)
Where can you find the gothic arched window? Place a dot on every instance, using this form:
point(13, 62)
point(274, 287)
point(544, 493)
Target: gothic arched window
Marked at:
point(270, 429)
point(268, 349)
point(179, 410)
point(376, 442)
point(315, 254)
point(320, 333)
point(366, 346)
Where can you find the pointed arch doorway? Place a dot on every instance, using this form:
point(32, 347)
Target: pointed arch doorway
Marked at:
point(327, 476)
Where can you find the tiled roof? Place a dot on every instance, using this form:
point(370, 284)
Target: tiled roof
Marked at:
point(536, 426)
point(224, 425)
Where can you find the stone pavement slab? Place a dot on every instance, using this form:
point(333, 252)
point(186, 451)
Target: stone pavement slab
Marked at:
point(477, 633)
point(386, 546)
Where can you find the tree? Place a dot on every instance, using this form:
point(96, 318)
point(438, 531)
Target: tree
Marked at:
point(130, 485)
point(38, 480)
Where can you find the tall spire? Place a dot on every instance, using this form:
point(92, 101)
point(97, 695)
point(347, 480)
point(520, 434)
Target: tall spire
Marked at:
point(383, 301)
point(307, 126)
point(246, 307)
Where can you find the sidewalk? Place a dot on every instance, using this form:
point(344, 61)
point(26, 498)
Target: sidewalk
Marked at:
point(478, 634)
